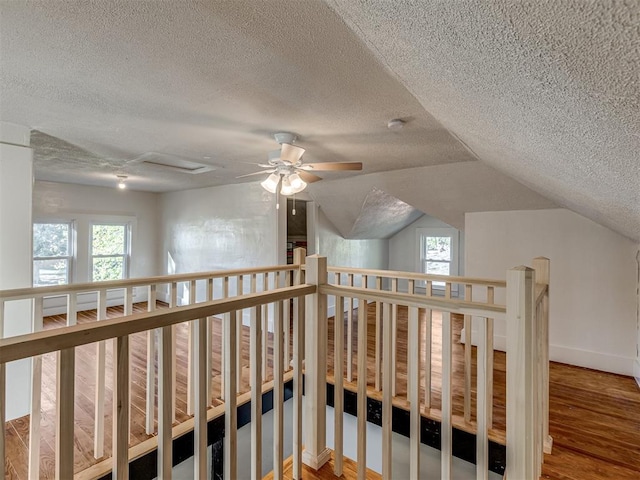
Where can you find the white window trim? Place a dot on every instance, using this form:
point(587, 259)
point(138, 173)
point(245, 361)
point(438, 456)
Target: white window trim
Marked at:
point(127, 247)
point(422, 232)
point(71, 257)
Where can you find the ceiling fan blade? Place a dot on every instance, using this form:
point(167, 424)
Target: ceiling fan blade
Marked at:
point(308, 176)
point(291, 153)
point(333, 166)
point(257, 173)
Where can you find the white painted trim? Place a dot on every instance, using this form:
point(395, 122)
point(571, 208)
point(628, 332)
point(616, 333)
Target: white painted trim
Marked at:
point(604, 362)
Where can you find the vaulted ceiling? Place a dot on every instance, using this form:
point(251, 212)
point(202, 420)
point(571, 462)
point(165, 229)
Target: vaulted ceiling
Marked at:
point(524, 104)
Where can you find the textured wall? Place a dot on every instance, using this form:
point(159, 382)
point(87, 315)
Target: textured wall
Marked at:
point(593, 280)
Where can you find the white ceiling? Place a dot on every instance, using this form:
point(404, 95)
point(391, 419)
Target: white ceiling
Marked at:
point(547, 94)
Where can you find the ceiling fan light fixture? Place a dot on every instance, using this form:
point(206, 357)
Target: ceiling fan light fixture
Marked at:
point(297, 184)
point(271, 183)
point(286, 189)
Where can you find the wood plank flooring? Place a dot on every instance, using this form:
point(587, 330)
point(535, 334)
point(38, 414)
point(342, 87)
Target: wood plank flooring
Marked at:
point(594, 416)
point(349, 471)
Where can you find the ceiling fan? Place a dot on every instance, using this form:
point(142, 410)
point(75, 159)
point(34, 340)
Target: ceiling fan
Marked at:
point(288, 173)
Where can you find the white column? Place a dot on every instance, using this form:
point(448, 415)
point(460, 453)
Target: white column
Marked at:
point(16, 185)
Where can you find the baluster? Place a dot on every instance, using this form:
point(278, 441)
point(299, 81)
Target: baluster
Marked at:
point(64, 409)
point(200, 400)
point(447, 290)
point(413, 388)
point(226, 318)
point(468, 292)
point(239, 314)
point(427, 356)
point(255, 354)
point(230, 404)
point(278, 391)
point(394, 338)
point(98, 440)
point(362, 389)
point(287, 324)
point(128, 301)
point(151, 356)
point(191, 360)
point(209, 297)
point(489, 321)
point(36, 396)
point(483, 402)
point(72, 309)
point(120, 445)
point(338, 379)
point(265, 326)
point(387, 396)
point(349, 330)
point(253, 284)
point(173, 303)
point(446, 430)
point(378, 359)
point(165, 411)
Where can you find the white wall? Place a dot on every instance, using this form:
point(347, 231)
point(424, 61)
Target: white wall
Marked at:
point(16, 178)
point(593, 280)
point(86, 204)
point(218, 228)
point(65, 201)
point(341, 252)
point(403, 247)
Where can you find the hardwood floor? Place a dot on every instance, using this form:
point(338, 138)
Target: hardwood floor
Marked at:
point(349, 471)
point(594, 416)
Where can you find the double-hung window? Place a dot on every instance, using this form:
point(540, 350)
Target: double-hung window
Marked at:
point(109, 251)
point(438, 252)
point(52, 253)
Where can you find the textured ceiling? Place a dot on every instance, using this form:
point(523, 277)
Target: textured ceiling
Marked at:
point(547, 92)
point(442, 191)
point(105, 82)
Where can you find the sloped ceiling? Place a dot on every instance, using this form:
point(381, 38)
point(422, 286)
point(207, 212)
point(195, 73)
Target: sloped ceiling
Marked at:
point(382, 216)
point(442, 191)
point(546, 92)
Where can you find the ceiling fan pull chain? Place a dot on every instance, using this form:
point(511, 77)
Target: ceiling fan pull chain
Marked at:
point(293, 210)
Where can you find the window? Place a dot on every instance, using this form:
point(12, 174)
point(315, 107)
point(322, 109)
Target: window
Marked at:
point(438, 252)
point(109, 252)
point(52, 253)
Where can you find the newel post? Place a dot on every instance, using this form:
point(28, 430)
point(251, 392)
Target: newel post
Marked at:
point(316, 453)
point(521, 374)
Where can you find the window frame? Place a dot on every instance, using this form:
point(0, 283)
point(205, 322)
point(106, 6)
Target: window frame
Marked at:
point(71, 249)
point(421, 235)
point(126, 256)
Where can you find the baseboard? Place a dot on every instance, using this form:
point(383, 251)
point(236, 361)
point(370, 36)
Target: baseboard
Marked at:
point(604, 362)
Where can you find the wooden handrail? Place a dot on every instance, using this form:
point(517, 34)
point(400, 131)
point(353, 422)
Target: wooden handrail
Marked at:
point(418, 276)
point(34, 292)
point(412, 300)
point(32, 344)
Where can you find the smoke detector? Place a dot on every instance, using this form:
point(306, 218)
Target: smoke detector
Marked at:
point(395, 124)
